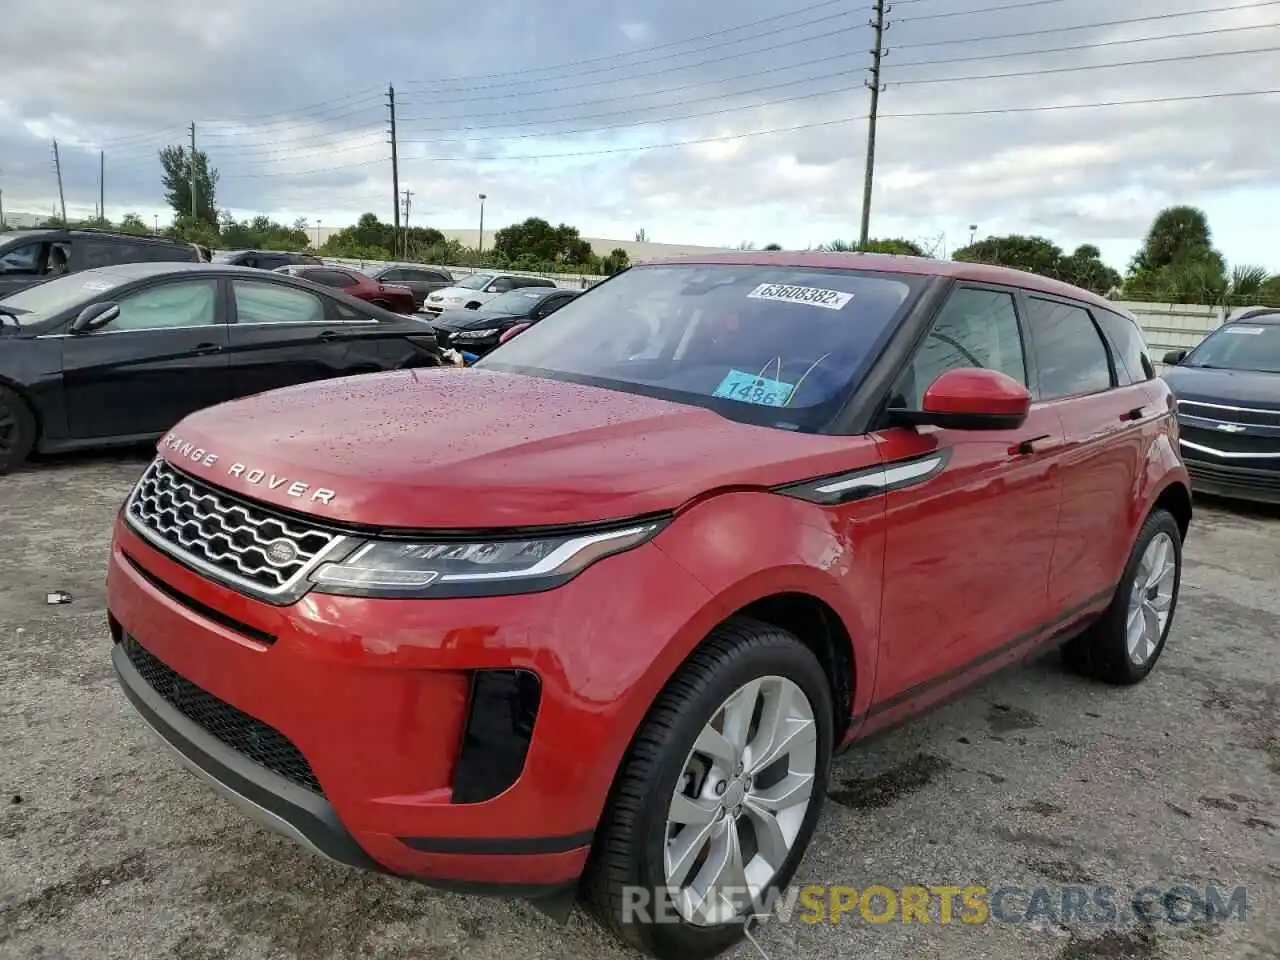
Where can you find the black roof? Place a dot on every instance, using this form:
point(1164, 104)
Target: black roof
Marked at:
point(1257, 315)
point(36, 233)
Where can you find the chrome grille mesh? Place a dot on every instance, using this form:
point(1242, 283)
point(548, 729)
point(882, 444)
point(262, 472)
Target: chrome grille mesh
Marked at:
point(242, 543)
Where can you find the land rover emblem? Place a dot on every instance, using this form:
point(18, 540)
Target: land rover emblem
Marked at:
point(281, 552)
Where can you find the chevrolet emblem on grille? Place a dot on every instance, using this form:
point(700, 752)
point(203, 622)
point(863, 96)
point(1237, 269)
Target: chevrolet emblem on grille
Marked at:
point(1230, 428)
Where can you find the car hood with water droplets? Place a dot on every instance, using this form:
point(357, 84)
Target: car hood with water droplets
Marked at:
point(470, 448)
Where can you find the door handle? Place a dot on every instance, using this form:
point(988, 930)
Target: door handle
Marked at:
point(1134, 414)
point(207, 348)
point(1024, 448)
point(327, 337)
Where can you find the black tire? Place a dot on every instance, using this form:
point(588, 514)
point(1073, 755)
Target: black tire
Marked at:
point(17, 430)
point(1101, 652)
point(629, 846)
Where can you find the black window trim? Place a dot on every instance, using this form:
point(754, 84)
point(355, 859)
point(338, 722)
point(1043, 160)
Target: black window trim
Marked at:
point(1037, 395)
point(1117, 350)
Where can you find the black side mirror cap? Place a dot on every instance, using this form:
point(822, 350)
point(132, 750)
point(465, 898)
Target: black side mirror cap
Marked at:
point(95, 317)
point(1175, 357)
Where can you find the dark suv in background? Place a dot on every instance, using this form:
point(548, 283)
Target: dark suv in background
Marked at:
point(421, 280)
point(264, 259)
point(28, 257)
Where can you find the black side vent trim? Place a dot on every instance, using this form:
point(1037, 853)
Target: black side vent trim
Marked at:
point(500, 720)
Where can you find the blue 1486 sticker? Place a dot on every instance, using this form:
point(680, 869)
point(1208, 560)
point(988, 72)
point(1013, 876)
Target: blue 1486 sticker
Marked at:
point(749, 388)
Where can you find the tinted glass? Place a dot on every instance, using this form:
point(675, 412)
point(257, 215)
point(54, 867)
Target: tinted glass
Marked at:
point(24, 259)
point(331, 278)
point(976, 328)
point(1128, 345)
point(502, 285)
point(517, 303)
point(191, 303)
point(477, 281)
point(1070, 354)
point(275, 303)
point(773, 345)
point(39, 303)
point(393, 275)
point(1239, 346)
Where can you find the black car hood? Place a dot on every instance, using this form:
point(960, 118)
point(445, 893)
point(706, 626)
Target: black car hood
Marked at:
point(453, 320)
point(1242, 388)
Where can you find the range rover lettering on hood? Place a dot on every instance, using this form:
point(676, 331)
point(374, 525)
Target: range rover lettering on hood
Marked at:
point(185, 450)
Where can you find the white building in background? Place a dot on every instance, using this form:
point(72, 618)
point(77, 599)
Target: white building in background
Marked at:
point(17, 219)
point(637, 251)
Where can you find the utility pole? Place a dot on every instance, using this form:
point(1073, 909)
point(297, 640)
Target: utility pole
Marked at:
point(102, 184)
point(1, 203)
point(57, 169)
point(879, 8)
point(408, 200)
point(193, 171)
point(395, 166)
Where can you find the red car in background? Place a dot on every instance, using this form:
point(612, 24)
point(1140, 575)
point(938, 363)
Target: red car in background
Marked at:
point(353, 283)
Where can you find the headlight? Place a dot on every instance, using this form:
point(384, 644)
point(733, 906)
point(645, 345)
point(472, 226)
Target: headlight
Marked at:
point(389, 568)
point(475, 334)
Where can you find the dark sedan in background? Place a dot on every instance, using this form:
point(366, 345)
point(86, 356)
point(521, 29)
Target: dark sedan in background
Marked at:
point(478, 331)
point(420, 280)
point(1228, 391)
point(356, 284)
point(120, 354)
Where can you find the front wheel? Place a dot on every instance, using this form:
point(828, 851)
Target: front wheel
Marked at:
point(17, 430)
point(1123, 645)
point(718, 797)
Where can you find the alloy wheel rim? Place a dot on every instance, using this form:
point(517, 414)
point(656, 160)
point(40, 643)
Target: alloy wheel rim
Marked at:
point(1151, 598)
point(741, 801)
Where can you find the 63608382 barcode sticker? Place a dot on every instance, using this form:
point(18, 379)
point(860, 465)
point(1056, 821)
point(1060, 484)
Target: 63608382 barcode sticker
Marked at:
point(811, 296)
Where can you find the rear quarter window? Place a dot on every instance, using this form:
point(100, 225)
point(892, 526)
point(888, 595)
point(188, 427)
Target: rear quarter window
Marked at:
point(1134, 360)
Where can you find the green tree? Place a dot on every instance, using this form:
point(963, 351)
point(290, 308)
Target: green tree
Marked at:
point(894, 245)
point(616, 260)
point(1178, 235)
point(1269, 293)
point(537, 239)
point(772, 246)
point(1032, 254)
point(1085, 268)
point(175, 164)
point(133, 224)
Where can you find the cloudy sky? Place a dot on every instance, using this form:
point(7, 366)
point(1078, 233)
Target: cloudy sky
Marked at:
point(711, 122)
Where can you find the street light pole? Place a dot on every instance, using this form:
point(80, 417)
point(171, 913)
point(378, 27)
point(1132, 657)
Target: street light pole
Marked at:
point(480, 249)
point(318, 234)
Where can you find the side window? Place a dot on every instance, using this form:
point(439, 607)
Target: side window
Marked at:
point(502, 285)
point(24, 259)
point(1069, 351)
point(102, 253)
point(391, 276)
point(1128, 345)
point(976, 328)
point(330, 278)
point(191, 303)
point(436, 278)
point(275, 303)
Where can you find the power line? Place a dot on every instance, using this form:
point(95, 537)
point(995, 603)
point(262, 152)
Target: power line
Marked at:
point(613, 57)
point(964, 13)
point(1047, 108)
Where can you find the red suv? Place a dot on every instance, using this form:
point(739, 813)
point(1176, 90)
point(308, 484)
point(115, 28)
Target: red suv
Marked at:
point(592, 616)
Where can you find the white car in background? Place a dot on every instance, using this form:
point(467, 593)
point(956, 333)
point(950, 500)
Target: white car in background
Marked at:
point(477, 289)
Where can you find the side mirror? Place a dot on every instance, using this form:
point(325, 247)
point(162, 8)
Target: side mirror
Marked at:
point(970, 398)
point(95, 317)
point(508, 334)
point(1175, 357)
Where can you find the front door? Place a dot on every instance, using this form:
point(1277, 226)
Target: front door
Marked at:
point(970, 520)
point(161, 359)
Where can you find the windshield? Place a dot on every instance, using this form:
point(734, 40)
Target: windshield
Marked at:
point(477, 281)
point(1240, 346)
point(779, 346)
point(517, 303)
point(39, 303)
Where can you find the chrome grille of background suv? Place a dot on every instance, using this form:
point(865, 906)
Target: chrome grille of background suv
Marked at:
point(238, 542)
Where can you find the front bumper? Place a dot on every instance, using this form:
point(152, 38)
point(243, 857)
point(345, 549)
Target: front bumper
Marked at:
point(375, 698)
point(1257, 484)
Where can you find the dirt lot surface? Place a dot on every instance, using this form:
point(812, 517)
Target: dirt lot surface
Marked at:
point(109, 850)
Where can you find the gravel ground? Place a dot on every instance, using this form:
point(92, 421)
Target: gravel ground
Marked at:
point(109, 850)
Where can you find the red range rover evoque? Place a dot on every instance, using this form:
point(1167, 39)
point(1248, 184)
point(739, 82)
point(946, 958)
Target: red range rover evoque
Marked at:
point(591, 617)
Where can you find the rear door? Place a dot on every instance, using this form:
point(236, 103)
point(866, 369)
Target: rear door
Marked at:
point(1106, 411)
point(281, 335)
point(163, 358)
point(971, 516)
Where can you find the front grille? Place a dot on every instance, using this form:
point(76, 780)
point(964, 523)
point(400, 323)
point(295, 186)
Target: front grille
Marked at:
point(1227, 442)
point(248, 736)
point(1233, 478)
point(1228, 413)
point(240, 542)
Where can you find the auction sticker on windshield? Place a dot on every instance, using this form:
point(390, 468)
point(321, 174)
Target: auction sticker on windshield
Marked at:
point(749, 388)
point(1252, 331)
point(812, 296)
